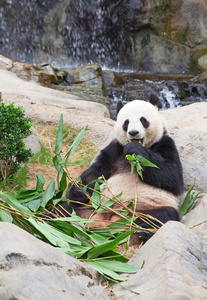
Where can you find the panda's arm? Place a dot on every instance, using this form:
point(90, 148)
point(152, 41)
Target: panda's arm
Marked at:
point(103, 165)
point(165, 156)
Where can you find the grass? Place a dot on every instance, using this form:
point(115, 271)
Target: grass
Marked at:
point(48, 133)
point(44, 157)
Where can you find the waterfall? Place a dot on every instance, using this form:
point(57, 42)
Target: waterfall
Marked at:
point(69, 32)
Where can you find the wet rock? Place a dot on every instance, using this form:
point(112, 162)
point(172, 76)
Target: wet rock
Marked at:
point(85, 81)
point(202, 62)
point(151, 36)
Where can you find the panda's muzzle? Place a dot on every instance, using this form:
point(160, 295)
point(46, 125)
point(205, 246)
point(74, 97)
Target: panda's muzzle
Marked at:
point(140, 141)
point(133, 134)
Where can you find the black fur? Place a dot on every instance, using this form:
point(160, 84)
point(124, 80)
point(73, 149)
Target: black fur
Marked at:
point(144, 122)
point(125, 125)
point(154, 100)
point(104, 165)
point(163, 214)
point(165, 156)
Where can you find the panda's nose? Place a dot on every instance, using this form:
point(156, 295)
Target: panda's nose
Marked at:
point(133, 133)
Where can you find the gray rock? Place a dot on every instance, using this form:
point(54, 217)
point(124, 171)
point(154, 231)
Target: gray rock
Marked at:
point(33, 141)
point(175, 267)
point(197, 217)
point(188, 127)
point(32, 269)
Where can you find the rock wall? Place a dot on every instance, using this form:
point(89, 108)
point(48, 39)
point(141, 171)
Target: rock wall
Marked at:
point(143, 35)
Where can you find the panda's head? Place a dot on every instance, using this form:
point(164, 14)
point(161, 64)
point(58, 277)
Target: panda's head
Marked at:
point(140, 121)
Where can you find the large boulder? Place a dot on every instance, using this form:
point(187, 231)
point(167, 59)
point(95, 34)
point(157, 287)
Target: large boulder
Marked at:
point(175, 267)
point(188, 127)
point(46, 105)
point(32, 269)
point(33, 141)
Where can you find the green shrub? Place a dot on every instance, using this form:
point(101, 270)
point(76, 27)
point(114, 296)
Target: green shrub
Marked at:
point(14, 128)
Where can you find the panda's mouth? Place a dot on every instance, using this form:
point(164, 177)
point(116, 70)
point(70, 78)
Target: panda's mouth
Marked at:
point(140, 141)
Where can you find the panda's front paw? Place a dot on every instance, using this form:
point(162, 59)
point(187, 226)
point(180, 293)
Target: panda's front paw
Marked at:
point(135, 147)
point(143, 236)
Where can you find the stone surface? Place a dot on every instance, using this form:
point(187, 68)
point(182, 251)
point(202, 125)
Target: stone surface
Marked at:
point(151, 36)
point(33, 141)
point(32, 269)
point(46, 105)
point(188, 127)
point(175, 267)
point(196, 218)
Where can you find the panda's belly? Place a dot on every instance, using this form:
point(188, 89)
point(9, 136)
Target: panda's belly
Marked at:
point(148, 197)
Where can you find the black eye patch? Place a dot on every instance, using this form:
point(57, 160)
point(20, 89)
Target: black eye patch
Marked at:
point(144, 122)
point(125, 125)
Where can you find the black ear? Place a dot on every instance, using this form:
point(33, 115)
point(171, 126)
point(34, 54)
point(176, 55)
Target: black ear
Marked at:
point(154, 100)
point(118, 107)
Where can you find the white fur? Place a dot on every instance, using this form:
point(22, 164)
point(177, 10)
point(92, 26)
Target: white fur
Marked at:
point(133, 111)
point(148, 197)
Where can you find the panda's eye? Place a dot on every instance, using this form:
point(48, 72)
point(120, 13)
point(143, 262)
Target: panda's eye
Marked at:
point(125, 125)
point(144, 122)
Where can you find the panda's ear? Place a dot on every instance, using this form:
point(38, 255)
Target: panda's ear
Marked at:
point(118, 107)
point(154, 100)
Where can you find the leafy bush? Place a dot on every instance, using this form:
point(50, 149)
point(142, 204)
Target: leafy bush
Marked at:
point(14, 128)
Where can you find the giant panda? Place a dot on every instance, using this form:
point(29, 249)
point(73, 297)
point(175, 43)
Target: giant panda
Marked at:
point(140, 123)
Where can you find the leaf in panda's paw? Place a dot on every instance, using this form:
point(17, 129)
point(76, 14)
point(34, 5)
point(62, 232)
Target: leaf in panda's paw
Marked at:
point(144, 162)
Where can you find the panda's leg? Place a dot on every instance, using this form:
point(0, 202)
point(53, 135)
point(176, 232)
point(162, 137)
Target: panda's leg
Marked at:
point(64, 210)
point(163, 214)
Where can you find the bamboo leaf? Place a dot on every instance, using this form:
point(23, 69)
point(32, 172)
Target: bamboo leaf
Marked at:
point(74, 251)
point(26, 193)
point(104, 271)
point(40, 182)
point(117, 266)
point(144, 162)
point(55, 236)
point(96, 196)
point(75, 144)
point(115, 256)
point(109, 203)
point(12, 201)
point(5, 216)
point(98, 239)
point(63, 182)
point(68, 228)
point(130, 157)
point(97, 251)
point(188, 201)
point(29, 199)
point(59, 139)
point(34, 205)
point(48, 193)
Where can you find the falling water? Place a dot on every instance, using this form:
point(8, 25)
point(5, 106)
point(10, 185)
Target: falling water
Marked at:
point(76, 31)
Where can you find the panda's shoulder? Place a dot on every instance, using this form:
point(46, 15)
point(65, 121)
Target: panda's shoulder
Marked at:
point(113, 147)
point(166, 141)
